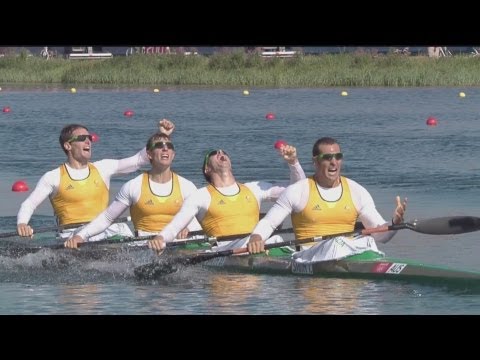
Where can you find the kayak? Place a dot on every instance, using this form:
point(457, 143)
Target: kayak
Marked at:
point(368, 265)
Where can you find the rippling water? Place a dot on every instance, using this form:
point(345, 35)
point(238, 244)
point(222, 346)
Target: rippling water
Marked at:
point(387, 146)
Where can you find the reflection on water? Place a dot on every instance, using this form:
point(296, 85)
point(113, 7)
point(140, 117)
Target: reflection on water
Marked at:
point(331, 296)
point(227, 291)
point(84, 299)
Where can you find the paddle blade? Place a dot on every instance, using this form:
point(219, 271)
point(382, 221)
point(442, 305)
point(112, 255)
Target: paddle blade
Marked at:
point(447, 225)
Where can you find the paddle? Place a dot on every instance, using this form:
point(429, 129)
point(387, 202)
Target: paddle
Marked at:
point(59, 227)
point(196, 237)
point(435, 226)
point(75, 225)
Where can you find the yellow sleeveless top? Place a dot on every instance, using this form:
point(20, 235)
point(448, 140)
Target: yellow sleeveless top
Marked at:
point(153, 212)
point(321, 217)
point(80, 200)
point(231, 214)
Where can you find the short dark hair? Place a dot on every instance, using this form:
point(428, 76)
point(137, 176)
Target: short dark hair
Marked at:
point(157, 136)
point(322, 141)
point(67, 132)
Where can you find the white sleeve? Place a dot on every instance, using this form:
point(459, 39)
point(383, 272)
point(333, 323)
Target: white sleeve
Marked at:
point(296, 172)
point(367, 211)
point(293, 199)
point(130, 192)
point(110, 167)
point(133, 163)
point(188, 188)
point(103, 220)
point(46, 186)
point(266, 191)
point(196, 203)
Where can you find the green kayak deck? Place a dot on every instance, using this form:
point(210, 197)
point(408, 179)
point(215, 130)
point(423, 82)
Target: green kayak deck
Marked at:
point(366, 265)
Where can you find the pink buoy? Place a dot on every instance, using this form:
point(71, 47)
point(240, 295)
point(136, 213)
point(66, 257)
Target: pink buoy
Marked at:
point(270, 116)
point(279, 144)
point(7, 109)
point(19, 186)
point(128, 113)
point(431, 121)
point(95, 137)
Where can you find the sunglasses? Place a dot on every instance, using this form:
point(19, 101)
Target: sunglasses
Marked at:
point(161, 145)
point(211, 153)
point(329, 157)
point(80, 138)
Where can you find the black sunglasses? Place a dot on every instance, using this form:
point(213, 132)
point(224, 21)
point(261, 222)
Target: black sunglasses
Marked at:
point(330, 156)
point(161, 145)
point(80, 138)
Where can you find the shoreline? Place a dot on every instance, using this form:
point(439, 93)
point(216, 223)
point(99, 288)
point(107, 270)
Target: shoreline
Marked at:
point(236, 70)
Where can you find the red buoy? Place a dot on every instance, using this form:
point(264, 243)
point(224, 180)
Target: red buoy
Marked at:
point(95, 137)
point(7, 109)
point(128, 113)
point(279, 143)
point(19, 186)
point(431, 121)
point(270, 116)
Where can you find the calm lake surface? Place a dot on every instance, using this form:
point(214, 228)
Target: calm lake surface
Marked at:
point(387, 147)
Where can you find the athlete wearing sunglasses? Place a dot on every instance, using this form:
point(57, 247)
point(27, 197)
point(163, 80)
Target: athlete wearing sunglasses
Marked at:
point(153, 197)
point(324, 204)
point(79, 189)
point(225, 206)
point(80, 138)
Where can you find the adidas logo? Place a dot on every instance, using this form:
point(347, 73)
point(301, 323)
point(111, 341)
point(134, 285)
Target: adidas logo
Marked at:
point(69, 187)
point(221, 202)
point(317, 207)
point(149, 202)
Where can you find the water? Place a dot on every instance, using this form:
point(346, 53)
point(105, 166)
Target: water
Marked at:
point(387, 147)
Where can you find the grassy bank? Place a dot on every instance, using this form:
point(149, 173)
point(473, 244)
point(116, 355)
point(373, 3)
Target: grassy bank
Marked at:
point(239, 69)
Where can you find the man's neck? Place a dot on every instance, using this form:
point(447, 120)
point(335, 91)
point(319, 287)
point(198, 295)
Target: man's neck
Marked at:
point(162, 176)
point(223, 179)
point(75, 164)
point(327, 183)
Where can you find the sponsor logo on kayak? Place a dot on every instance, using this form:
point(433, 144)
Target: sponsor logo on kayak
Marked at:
point(396, 268)
point(381, 267)
point(389, 268)
point(302, 268)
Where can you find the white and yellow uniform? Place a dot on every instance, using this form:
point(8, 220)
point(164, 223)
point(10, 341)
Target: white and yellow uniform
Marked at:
point(82, 200)
point(152, 205)
point(79, 200)
point(229, 210)
point(320, 211)
point(231, 214)
point(153, 211)
point(322, 217)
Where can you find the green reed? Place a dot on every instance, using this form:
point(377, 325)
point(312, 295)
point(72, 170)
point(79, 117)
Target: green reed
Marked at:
point(240, 69)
